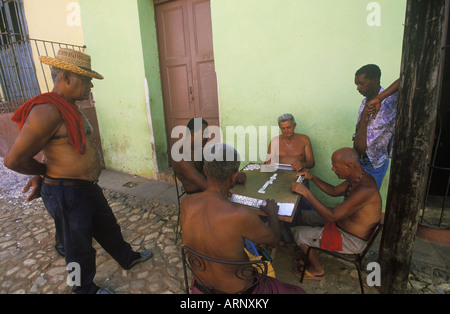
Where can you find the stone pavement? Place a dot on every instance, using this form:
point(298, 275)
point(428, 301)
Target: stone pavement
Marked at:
point(146, 211)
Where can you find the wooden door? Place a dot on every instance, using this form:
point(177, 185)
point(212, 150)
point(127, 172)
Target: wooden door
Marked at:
point(186, 56)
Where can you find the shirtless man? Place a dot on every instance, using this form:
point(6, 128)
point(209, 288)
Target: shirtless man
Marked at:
point(290, 147)
point(215, 227)
point(190, 171)
point(355, 218)
point(66, 179)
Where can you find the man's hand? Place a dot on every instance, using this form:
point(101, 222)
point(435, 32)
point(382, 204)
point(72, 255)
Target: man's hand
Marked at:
point(271, 208)
point(241, 178)
point(297, 166)
point(35, 183)
point(372, 107)
point(306, 175)
point(299, 188)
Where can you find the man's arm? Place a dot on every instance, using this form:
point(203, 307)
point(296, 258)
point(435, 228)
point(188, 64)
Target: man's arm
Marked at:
point(340, 212)
point(309, 155)
point(192, 180)
point(254, 228)
point(309, 161)
point(42, 123)
point(329, 189)
point(272, 150)
point(374, 105)
point(360, 140)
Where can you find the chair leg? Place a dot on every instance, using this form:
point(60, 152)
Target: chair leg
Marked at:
point(178, 226)
point(361, 285)
point(186, 284)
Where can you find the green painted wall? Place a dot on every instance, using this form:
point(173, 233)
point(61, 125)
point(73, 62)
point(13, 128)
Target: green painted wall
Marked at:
point(115, 39)
point(151, 68)
point(300, 56)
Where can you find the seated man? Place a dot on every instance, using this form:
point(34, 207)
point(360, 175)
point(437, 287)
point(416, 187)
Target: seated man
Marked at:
point(290, 147)
point(355, 218)
point(296, 150)
point(190, 171)
point(216, 227)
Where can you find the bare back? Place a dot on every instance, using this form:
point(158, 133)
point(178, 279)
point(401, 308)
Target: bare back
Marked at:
point(365, 203)
point(215, 227)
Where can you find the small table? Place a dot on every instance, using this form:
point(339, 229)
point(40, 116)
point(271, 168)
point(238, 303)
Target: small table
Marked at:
point(280, 190)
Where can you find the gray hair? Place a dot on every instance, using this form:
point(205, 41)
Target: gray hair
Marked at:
point(55, 73)
point(221, 161)
point(286, 117)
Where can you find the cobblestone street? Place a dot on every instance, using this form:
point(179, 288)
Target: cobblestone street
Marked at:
point(29, 264)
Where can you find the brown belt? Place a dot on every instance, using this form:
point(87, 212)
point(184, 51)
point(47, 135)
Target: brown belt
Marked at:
point(68, 182)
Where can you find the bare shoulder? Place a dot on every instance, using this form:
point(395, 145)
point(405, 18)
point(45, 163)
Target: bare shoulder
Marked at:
point(47, 112)
point(368, 187)
point(275, 139)
point(190, 199)
point(242, 214)
point(302, 138)
point(43, 120)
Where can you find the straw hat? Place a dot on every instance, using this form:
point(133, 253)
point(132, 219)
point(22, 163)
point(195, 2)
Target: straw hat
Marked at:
point(73, 61)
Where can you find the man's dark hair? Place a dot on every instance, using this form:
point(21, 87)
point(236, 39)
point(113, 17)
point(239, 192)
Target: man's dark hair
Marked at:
point(370, 70)
point(221, 161)
point(191, 123)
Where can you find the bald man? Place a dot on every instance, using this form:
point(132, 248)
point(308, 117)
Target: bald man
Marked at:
point(354, 219)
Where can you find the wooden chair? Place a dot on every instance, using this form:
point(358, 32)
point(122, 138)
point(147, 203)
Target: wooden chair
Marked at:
point(256, 271)
point(355, 259)
point(180, 193)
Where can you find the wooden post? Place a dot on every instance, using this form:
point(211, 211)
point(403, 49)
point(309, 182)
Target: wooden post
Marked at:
point(416, 114)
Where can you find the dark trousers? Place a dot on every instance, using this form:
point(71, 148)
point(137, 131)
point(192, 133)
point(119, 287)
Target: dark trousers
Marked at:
point(82, 213)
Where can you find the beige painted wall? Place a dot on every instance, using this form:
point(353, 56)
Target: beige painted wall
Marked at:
point(56, 21)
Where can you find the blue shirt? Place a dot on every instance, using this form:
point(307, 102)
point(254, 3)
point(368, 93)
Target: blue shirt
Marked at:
point(380, 131)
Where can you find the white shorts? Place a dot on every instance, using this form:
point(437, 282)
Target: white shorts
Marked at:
point(311, 236)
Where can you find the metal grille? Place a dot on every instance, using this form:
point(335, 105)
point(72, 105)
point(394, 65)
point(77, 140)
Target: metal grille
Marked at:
point(436, 210)
point(22, 76)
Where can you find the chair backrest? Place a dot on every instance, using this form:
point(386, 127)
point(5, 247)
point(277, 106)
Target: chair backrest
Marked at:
point(372, 238)
point(254, 271)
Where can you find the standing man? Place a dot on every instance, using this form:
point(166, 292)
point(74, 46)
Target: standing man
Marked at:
point(290, 147)
point(67, 177)
point(375, 127)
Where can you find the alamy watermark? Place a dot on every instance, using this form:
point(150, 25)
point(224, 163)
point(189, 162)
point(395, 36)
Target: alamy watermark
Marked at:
point(74, 276)
point(374, 277)
point(190, 145)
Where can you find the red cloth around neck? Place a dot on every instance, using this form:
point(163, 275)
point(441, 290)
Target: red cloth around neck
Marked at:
point(72, 119)
point(331, 238)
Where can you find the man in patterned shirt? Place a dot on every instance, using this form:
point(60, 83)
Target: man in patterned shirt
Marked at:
point(375, 127)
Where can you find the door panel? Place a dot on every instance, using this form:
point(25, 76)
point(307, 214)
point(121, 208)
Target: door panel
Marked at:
point(178, 96)
point(207, 89)
point(201, 12)
point(188, 75)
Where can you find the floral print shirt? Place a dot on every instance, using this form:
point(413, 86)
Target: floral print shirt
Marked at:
point(380, 131)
